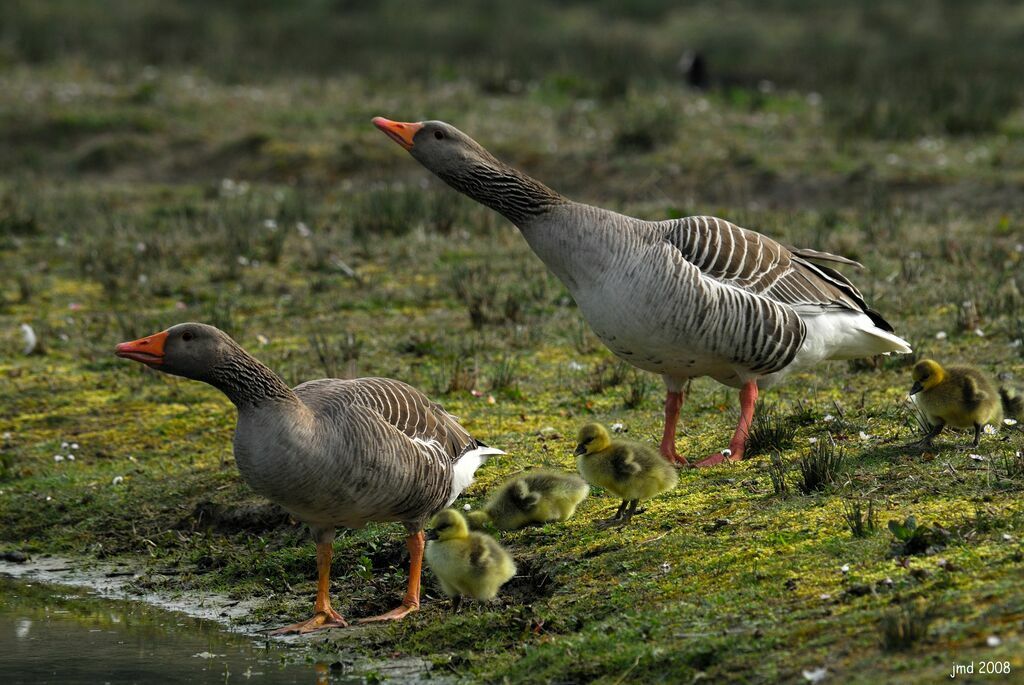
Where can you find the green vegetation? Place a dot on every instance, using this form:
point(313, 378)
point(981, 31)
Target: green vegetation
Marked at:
point(167, 162)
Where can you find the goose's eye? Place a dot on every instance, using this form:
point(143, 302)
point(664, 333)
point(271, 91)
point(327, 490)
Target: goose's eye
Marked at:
point(187, 335)
point(439, 135)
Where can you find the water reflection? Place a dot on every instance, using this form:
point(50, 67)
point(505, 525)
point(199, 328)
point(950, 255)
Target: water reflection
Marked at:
point(49, 634)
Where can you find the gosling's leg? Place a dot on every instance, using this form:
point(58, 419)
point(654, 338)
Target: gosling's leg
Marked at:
point(632, 511)
point(323, 615)
point(977, 435)
point(411, 602)
point(748, 398)
point(614, 520)
point(926, 441)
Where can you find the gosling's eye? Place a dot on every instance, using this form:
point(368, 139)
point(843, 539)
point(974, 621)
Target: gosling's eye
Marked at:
point(439, 135)
point(187, 335)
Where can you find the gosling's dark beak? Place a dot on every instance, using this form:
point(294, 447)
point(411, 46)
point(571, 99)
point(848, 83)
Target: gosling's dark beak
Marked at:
point(580, 449)
point(430, 534)
point(916, 388)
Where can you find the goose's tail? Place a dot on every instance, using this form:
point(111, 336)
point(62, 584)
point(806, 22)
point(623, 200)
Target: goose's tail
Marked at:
point(466, 465)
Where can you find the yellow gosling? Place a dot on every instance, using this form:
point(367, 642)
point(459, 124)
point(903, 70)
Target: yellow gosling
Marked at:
point(535, 497)
point(960, 397)
point(630, 470)
point(467, 564)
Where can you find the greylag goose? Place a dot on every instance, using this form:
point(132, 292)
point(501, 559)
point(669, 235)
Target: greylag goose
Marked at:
point(331, 452)
point(682, 298)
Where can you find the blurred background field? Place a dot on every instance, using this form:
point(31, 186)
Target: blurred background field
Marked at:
point(170, 161)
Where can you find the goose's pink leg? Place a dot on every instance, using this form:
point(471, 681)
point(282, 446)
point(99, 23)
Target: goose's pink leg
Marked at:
point(673, 401)
point(748, 397)
point(411, 602)
point(323, 615)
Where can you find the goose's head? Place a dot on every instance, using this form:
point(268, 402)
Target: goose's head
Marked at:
point(440, 147)
point(593, 437)
point(448, 525)
point(927, 374)
point(191, 350)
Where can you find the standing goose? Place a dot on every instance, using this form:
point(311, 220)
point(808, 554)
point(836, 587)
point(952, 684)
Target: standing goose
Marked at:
point(683, 298)
point(331, 452)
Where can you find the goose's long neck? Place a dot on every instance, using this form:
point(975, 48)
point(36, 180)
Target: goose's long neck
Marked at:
point(248, 383)
point(510, 192)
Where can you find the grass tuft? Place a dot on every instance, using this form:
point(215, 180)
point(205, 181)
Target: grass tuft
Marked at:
point(770, 432)
point(821, 465)
point(905, 626)
point(861, 522)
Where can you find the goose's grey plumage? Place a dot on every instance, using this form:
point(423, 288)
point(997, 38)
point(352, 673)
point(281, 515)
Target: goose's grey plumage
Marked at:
point(683, 298)
point(332, 452)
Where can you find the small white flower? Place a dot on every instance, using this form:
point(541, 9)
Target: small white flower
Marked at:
point(30, 339)
point(303, 229)
point(466, 507)
point(1017, 343)
point(617, 427)
point(828, 418)
point(812, 440)
point(131, 457)
point(980, 333)
point(845, 568)
point(825, 597)
point(74, 445)
point(976, 457)
point(262, 339)
point(576, 366)
point(49, 499)
point(993, 641)
point(71, 457)
point(941, 335)
point(270, 224)
point(117, 480)
point(58, 457)
point(243, 260)
point(64, 445)
point(1007, 537)
point(989, 429)
point(140, 247)
point(1010, 422)
point(7, 435)
point(864, 436)
point(815, 675)
point(727, 453)
point(665, 567)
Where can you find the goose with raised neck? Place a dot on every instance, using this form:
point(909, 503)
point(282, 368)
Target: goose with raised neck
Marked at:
point(333, 453)
point(683, 298)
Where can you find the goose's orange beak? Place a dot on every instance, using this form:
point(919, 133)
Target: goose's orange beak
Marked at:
point(148, 350)
point(400, 132)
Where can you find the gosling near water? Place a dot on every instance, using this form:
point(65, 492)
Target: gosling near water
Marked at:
point(960, 397)
point(536, 497)
point(630, 470)
point(467, 564)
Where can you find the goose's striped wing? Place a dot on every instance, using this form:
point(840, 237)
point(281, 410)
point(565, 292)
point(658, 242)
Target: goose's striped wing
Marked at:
point(408, 410)
point(757, 264)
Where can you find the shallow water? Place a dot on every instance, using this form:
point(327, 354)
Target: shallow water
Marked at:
point(53, 634)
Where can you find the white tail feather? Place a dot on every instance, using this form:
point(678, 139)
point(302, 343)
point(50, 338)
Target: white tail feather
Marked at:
point(466, 466)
